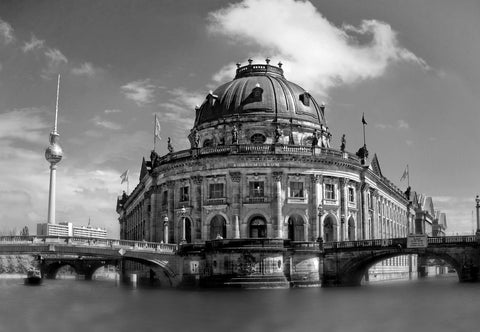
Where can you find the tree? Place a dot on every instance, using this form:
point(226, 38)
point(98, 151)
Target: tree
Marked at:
point(24, 231)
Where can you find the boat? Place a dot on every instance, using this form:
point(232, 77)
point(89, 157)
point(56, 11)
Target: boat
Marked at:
point(34, 277)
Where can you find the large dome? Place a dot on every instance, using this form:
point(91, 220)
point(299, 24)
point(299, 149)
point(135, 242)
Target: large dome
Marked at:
point(259, 91)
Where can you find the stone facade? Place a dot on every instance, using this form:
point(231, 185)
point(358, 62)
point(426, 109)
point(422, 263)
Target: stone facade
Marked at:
point(261, 166)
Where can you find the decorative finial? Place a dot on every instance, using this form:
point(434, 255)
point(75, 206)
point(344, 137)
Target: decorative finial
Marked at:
point(322, 106)
point(267, 60)
point(238, 64)
point(257, 85)
point(250, 61)
point(197, 107)
point(280, 64)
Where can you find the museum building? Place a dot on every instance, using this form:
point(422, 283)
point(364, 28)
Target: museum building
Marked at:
point(261, 186)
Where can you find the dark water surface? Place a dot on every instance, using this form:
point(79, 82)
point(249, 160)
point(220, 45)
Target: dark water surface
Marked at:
point(68, 305)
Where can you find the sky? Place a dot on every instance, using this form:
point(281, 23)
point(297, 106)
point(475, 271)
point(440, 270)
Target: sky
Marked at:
point(412, 67)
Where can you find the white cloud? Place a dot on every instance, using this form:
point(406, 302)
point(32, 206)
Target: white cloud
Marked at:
point(23, 124)
point(55, 61)
point(6, 32)
point(180, 108)
point(33, 44)
point(108, 111)
point(98, 121)
point(402, 124)
point(301, 37)
point(85, 69)
point(141, 92)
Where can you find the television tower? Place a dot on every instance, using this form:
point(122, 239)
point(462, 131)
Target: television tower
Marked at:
point(53, 154)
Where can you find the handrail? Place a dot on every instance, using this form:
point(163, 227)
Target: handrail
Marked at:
point(92, 242)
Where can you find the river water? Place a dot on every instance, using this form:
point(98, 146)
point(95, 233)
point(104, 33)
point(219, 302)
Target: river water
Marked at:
point(68, 305)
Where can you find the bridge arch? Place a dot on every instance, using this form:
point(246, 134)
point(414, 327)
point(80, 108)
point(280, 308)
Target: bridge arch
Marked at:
point(352, 272)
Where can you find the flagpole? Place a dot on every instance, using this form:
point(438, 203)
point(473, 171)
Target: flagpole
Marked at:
point(408, 176)
point(363, 122)
point(154, 136)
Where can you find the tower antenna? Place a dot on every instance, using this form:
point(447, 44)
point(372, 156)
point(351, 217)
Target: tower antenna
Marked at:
point(56, 104)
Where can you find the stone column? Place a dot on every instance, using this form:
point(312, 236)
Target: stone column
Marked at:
point(365, 213)
point(171, 211)
point(237, 227)
point(277, 206)
point(318, 205)
point(197, 202)
point(165, 230)
point(373, 199)
point(343, 208)
point(236, 203)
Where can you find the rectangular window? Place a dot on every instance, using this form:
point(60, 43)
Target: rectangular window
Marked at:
point(329, 191)
point(216, 190)
point(256, 189)
point(184, 197)
point(165, 198)
point(296, 189)
point(351, 195)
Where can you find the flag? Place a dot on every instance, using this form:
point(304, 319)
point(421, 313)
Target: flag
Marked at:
point(157, 128)
point(124, 176)
point(405, 174)
point(363, 119)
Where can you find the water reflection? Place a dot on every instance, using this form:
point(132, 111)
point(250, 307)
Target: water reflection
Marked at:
point(67, 305)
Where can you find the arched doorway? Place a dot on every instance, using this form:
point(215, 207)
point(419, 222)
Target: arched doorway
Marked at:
point(218, 226)
point(351, 229)
point(258, 227)
point(330, 228)
point(296, 228)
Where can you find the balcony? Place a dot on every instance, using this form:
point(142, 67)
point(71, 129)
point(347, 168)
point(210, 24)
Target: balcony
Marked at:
point(216, 201)
point(256, 200)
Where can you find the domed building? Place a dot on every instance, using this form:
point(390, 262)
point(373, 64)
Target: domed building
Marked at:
point(261, 187)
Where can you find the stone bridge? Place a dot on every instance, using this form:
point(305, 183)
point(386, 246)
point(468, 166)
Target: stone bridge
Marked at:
point(346, 263)
point(57, 251)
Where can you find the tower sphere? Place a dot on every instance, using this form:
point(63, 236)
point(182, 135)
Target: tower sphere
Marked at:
point(54, 152)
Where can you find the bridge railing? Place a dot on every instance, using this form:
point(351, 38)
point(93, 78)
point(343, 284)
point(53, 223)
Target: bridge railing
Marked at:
point(85, 241)
point(396, 242)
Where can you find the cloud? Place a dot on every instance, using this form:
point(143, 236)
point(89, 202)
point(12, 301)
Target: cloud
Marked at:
point(55, 62)
point(98, 121)
point(33, 44)
point(301, 37)
point(25, 124)
point(108, 111)
point(180, 108)
point(6, 32)
point(400, 125)
point(85, 69)
point(141, 92)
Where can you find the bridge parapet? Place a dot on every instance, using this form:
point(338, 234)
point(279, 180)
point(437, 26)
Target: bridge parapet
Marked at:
point(90, 242)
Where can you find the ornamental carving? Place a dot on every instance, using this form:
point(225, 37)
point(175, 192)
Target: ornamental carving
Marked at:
point(316, 178)
point(197, 179)
point(170, 184)
point(247, 264)
point(235, 176)
point(277, 176)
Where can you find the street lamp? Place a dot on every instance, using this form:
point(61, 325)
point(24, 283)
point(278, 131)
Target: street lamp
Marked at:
point(477, 200)
point(165, 229)
point(182, 214)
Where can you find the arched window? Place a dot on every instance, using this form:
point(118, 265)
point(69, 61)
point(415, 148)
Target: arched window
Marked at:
point(258, 227)
point(330, 228)
point(218, 227)
point(258, 139)
point(296, 228)
point(207, 143)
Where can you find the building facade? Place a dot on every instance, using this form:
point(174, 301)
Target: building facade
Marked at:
point(260, 167)
point(68, 229)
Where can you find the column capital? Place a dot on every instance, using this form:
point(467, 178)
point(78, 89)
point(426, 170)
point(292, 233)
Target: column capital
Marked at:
point(197, 179)
point(170, 184)
point(277, 176)
point(235, 176)
point(316, 178)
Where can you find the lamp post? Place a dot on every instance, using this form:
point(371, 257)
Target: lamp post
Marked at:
point(182, 214)
point(165, 229)
point(477, 200)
